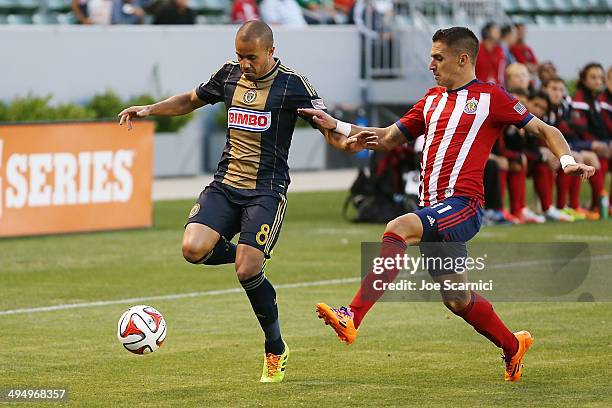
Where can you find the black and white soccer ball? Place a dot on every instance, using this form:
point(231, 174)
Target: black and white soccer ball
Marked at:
point(141, 329)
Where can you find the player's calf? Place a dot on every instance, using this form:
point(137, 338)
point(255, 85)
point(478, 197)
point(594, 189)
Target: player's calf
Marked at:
point(262, 296)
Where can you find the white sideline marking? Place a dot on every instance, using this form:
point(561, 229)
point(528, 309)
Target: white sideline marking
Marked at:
point(282, 286)
point(580, 238)
point(170, 297)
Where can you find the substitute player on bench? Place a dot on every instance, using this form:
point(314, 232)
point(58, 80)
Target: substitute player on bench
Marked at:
point(461, 119)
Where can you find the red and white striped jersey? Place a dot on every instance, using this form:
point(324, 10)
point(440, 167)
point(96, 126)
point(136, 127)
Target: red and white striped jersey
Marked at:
point(460, 127)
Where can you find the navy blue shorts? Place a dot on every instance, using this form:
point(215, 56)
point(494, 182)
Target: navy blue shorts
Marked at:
point(456, 219)
point(447, 226)
point(257, 216)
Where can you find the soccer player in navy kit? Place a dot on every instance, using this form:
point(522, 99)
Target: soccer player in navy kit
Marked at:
point(248, 194)
point(461, 119)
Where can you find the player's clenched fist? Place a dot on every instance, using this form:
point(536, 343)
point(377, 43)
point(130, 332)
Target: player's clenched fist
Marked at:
point(127, 114)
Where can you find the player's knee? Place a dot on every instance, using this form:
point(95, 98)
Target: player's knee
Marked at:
point(245, 271)
point(247, 265)
point(457, 304)
point(407, 226)
point(194, 252)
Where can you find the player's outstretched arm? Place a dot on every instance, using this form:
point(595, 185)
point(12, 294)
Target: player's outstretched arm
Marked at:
point(357, 137)
point(558, 145)
point(174, 106)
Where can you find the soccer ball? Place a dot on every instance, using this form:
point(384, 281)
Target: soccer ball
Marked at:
point(141, 329)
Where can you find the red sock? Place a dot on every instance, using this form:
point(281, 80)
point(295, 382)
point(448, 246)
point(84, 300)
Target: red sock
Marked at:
point(503, 178)
point(610, 169)
point(516, 184)
point(542, 182)
point(480, 314)
point(597, 186)
point(563, 187)
point(574, 189)
point(604, 163)
point(366, 296)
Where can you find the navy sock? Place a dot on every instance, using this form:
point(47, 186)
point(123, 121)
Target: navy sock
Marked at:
point(262, 296)
point(223, 253)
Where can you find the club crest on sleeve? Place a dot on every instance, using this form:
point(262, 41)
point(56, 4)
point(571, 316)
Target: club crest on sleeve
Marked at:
point(520, 108)
point(318, 104)
point(194, 210)
point(471, 106)
point(249, 96)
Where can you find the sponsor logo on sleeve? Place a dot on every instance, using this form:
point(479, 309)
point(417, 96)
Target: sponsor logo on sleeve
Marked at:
point(247, 119)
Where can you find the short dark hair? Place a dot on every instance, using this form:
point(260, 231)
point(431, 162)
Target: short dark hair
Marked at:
point(460, 39)
point(506, 29)
point(551, 80)
point(486, 30)
point(519, 92)
point(539, 95)
point(256, 30)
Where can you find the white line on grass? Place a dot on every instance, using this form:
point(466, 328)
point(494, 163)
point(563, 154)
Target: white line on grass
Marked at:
point(170, 297)
point(282, 286)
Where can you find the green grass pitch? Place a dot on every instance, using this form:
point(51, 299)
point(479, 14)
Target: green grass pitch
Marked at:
point(407, 354)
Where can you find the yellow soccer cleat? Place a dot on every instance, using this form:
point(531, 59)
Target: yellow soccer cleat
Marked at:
point(514, 366)
point(341, 320)
point(274, 366)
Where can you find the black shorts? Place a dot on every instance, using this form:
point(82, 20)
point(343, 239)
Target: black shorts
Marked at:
point(257, 216)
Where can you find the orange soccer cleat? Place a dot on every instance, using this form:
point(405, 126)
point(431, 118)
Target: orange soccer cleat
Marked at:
point(341, 320)
point(514, 365)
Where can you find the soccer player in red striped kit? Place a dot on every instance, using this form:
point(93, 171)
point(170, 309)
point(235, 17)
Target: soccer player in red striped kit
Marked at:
point(461, 119)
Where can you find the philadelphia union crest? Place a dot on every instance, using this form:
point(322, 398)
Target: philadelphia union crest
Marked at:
point(194, 210)
point(249, 96)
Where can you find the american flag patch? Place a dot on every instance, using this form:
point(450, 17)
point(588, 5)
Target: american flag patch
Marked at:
point(520, 108)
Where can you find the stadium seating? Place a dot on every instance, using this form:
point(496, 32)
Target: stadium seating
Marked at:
point(436, 13)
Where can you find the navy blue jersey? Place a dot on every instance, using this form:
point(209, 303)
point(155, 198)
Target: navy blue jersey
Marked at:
point(261, 117)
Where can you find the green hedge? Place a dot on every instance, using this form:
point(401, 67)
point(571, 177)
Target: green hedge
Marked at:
point(107, 105)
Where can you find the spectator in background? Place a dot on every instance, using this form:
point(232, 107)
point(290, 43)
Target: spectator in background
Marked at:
point(344, 11)
point(559, 115)
point(542, 162)
point(80, 11)
point(375, 21)
point(243, 11)
point(587, 122)
point(128, 12)
point(517, 78)
point(546, 71)
point(92, 11)
point(605, 99)
point(522, 52)
point(282, 12)
point(508, 39)
point(318, 11)
point(517, 151)
point(175, 12)
point(490, 63)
